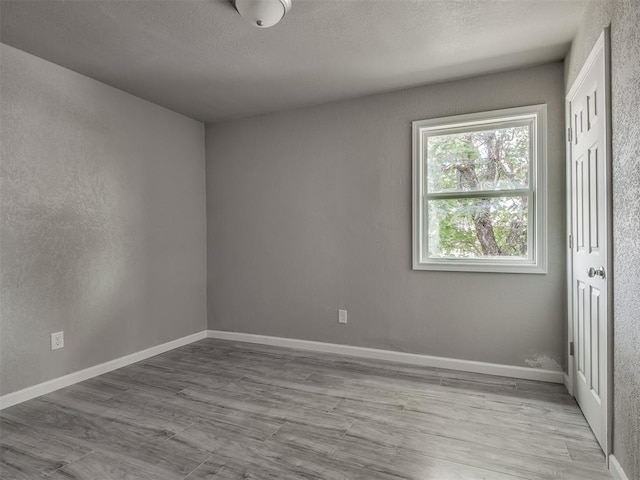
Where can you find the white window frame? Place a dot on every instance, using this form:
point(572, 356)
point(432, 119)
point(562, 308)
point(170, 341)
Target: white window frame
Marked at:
point(536, 117)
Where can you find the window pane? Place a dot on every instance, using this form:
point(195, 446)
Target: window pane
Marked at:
point(494, 159)
point(478, 228)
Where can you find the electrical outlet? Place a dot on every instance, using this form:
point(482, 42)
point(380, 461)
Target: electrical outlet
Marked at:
point(342, 316)
point(57, 340)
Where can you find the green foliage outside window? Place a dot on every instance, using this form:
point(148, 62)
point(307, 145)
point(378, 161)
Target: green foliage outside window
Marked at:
point(495, 225)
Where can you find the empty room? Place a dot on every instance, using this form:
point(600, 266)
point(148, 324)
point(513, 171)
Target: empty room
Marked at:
point(320, 239)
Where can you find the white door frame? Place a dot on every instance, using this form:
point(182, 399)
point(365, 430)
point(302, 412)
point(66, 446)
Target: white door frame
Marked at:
point(602, 45)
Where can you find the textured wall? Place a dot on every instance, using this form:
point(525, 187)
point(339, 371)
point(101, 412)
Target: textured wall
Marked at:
point(102, 224)
point(624, 16)
point(625, 87)
point(596, 17)
point(310, 211)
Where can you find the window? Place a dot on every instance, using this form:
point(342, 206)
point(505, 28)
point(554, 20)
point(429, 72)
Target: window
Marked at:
point(479, 192)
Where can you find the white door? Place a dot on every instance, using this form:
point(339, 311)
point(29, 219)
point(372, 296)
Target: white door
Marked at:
point(590, 279)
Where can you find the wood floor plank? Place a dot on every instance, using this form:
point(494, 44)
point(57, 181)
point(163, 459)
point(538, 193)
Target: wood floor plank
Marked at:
point(9, 426)
point(220, 410)
point(586, 453)
point(486, 416)
point(46, 452)
point(414, 466)
point(238, 426)
point(403, 433)
point(377, 457)
point(17, 462)
point(309, 455)
point(538, 412)
point(99, 465)
point(202, 404)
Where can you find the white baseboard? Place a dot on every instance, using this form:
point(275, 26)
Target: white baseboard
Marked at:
point(567, 383)
point(616, 469)
point(34, 391)
point(28, 393)
point(393, 356)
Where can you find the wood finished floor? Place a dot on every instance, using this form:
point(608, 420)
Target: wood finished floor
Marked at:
point(226, 410)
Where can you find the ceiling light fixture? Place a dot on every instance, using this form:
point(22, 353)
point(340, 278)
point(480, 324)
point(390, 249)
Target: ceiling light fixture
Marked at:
point(262, 13)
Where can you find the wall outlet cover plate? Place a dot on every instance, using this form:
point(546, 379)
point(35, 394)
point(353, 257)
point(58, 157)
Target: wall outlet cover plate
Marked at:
point(57, 340)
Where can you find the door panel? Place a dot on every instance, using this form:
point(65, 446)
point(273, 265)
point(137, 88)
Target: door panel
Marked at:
point(593, 197)
point(595, 343)
point(579, 200)
point(581, 337)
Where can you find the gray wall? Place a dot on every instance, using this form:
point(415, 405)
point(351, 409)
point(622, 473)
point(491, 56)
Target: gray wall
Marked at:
point(310, 211)
point(102, 224)
point(624, 17)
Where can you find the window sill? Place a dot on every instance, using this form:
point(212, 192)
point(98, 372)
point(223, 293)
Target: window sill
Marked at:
point(483, 267)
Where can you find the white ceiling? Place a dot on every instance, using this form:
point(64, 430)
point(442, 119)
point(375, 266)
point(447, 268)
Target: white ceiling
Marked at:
point(200, 58)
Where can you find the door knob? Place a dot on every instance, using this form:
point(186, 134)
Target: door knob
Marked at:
point(592, 272)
